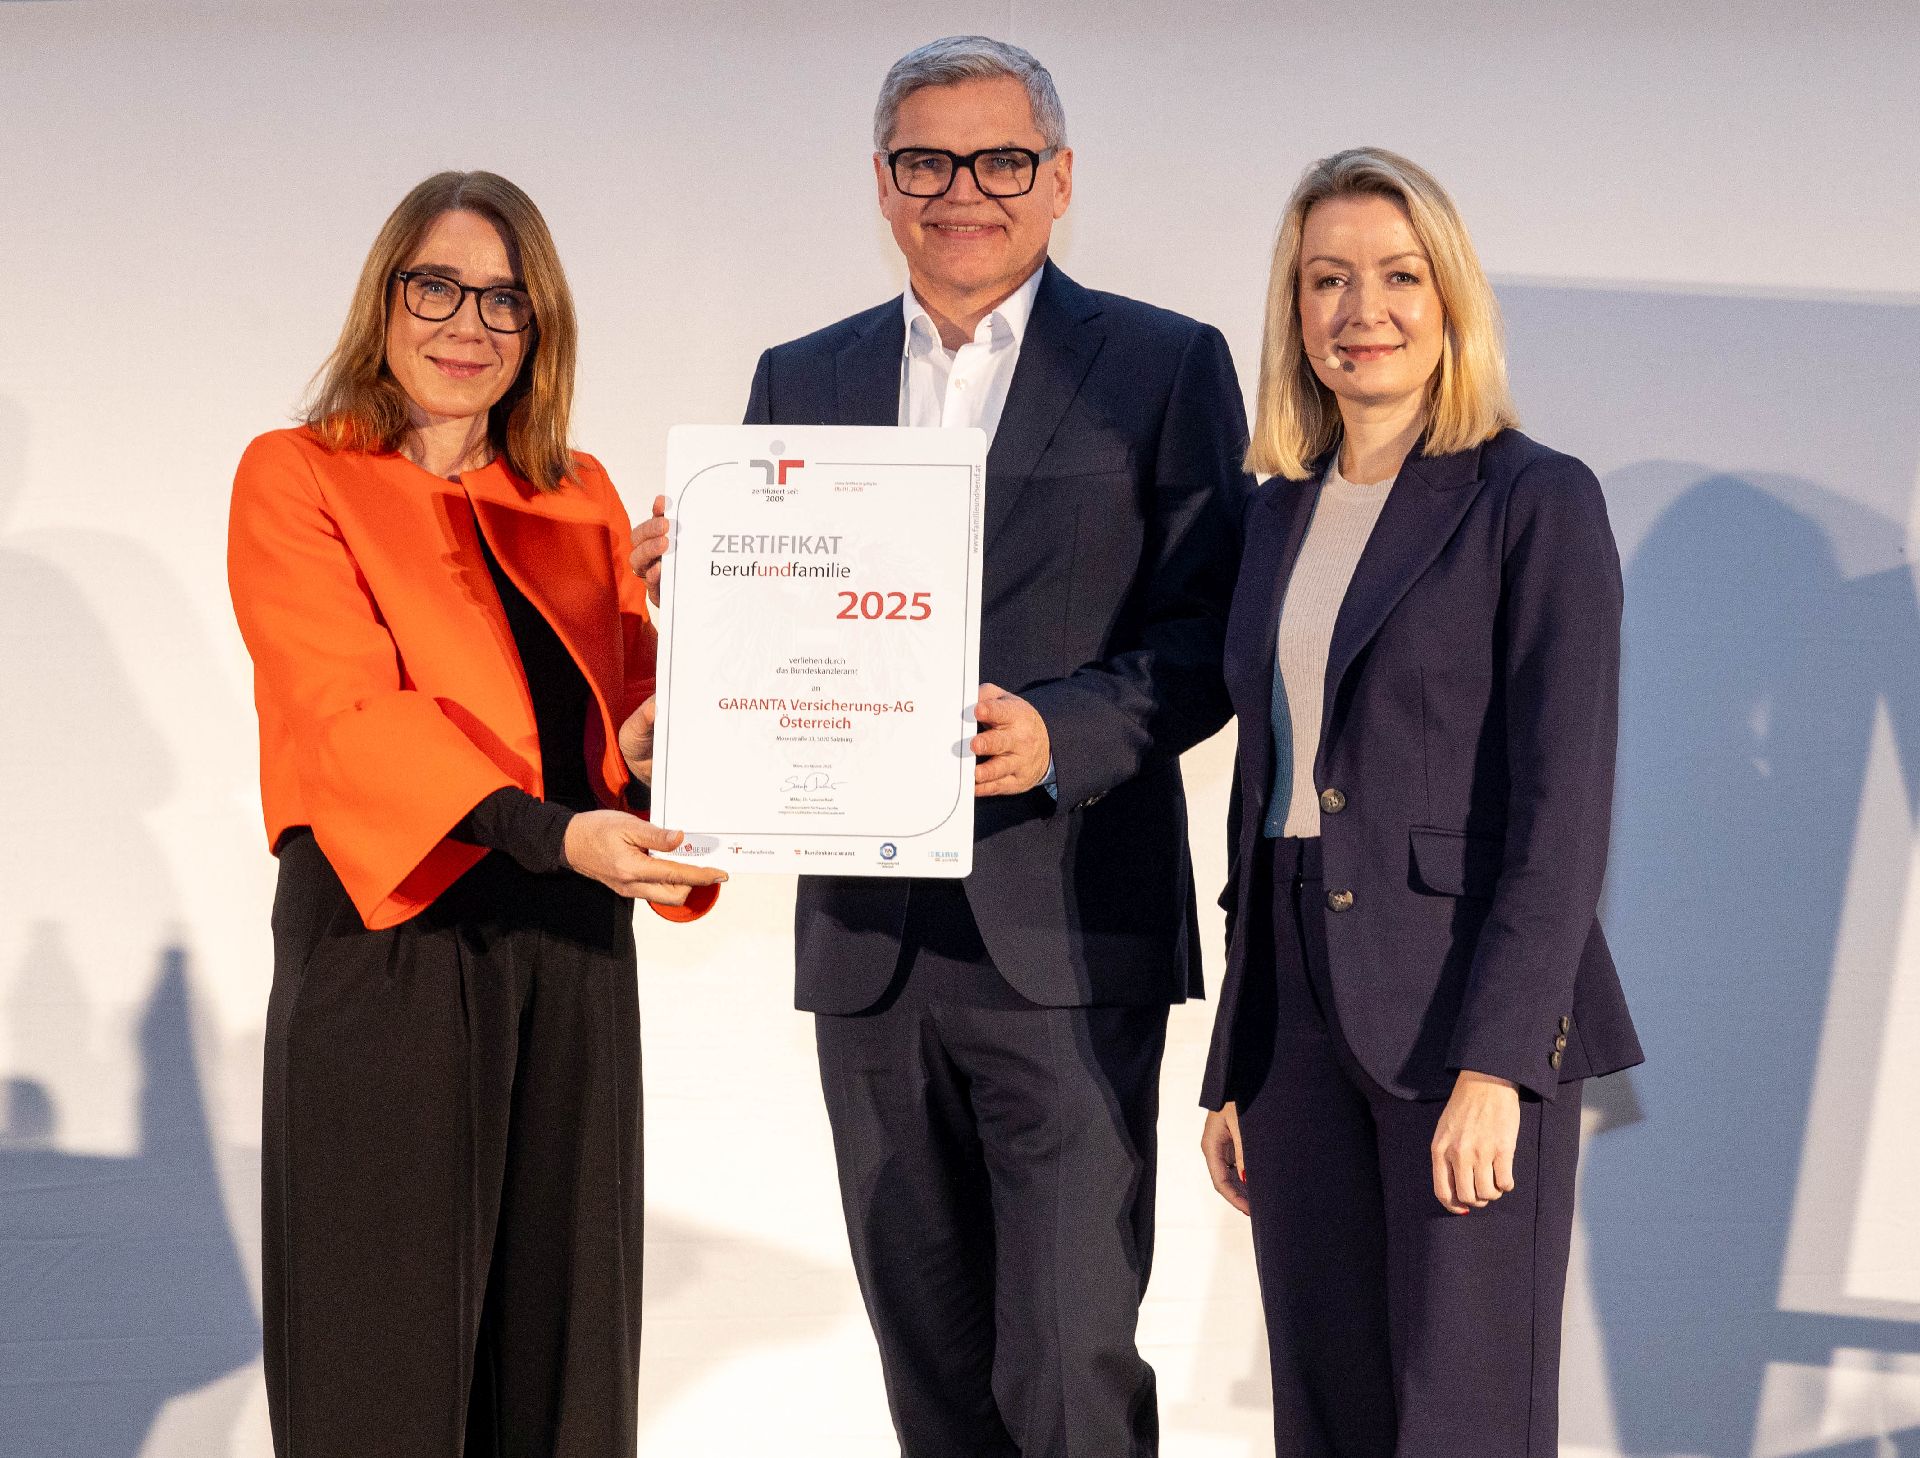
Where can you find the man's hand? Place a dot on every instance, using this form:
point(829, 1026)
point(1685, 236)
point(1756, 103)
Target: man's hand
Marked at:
point(1473, 1145)
point(1226, 1160)
point(649, 546)
point(1012, 746)
point(616, 849)
point(636, 742)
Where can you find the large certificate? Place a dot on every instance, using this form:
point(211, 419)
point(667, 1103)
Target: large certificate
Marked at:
point(820, 648)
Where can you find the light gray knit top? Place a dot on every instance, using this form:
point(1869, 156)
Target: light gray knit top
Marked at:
point(1343, 519)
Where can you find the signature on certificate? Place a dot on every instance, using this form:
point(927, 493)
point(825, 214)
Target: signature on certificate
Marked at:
point(817, 780)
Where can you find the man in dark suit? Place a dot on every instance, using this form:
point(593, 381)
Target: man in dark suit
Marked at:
point(990, 1049)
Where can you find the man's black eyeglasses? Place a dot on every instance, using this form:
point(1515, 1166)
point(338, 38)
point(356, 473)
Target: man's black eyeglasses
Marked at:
point(997, 171)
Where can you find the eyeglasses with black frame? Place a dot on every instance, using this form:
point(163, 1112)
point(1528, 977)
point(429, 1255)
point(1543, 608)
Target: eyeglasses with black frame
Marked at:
point(997, 171)
point(436, 298)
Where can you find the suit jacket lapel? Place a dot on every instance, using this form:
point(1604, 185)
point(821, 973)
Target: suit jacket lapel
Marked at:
point(866, 374)
point(1418, 519)
point(1061, 341)
point(1276, 525)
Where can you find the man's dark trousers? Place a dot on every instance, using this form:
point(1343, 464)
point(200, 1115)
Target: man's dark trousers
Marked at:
point(990, 1049)
point(996, 1165)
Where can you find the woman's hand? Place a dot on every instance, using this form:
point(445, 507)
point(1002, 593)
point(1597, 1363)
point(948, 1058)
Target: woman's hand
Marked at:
point(616, 849)
point(1226, 1161)
point(636, 742)
point(1473, 1145)
point(649, 546)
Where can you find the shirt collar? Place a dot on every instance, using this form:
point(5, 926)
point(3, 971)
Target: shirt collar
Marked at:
point(1007, 323)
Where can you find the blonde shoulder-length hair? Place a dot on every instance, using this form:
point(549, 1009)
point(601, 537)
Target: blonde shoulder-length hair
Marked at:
point(356, 403)
point(1297, 418)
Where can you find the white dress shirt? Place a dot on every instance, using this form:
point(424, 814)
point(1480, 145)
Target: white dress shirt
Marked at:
point(968, 385)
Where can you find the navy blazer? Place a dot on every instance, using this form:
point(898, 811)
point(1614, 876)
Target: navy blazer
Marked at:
point(1113, 499)
point(1470, 715)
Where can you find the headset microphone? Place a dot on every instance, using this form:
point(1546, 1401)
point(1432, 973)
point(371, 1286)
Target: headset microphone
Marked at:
point(1333, 360)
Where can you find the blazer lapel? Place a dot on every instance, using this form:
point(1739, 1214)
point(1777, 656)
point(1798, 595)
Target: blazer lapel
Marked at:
point(1416, 522)
point(866, 374)
point(1060, 344)
point(1276, 526)
point(557, 550)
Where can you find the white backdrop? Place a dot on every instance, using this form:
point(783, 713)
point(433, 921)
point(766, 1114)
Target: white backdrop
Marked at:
point(1701, 219)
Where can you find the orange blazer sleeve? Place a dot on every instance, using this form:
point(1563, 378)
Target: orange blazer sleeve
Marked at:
point(380, 771)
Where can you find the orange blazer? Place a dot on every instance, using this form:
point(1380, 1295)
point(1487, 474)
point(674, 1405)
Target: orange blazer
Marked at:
point(390, 692)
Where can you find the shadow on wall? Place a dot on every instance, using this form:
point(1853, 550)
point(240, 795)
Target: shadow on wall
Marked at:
point(123, 1287)
point(1761, 851)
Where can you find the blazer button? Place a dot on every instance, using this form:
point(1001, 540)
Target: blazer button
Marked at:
point(1565, 1024)
point(1332, 802)
point(1553, 1059)
point(1339, 901)
point(1560, 1042)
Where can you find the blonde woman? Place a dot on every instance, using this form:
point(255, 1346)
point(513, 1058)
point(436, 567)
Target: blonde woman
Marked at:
point(1423, 653)
point(452, 668)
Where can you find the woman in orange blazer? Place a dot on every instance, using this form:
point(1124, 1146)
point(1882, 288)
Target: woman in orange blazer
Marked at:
point(453, 674)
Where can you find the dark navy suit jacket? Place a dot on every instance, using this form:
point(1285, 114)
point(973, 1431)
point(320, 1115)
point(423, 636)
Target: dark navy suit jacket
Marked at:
point(1471, 709)
point(1114, 495)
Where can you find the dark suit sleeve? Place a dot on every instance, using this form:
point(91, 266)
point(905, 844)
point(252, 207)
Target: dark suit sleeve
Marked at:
point(1230, 893)
point(1163, 696)
point(1562, 606)
point(760, 398)
point(1236, 799)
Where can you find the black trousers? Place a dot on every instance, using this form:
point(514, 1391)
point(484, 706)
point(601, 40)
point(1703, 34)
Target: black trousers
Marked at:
point(451, 1171)
point(996, 1164)
point(1395, 1329)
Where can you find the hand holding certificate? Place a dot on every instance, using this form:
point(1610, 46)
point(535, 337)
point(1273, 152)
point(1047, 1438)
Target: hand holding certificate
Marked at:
point(821, 649)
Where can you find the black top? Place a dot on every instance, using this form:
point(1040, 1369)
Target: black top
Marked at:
point(532, 831)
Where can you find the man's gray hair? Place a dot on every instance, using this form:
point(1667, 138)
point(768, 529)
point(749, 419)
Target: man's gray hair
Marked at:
point(968, 58)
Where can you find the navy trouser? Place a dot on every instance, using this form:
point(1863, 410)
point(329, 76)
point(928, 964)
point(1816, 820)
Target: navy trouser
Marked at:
point(996, 1164)
point(451, 1235)
point(1395, 1329)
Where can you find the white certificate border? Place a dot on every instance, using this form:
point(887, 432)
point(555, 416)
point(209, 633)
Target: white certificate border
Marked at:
point(664, 672)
